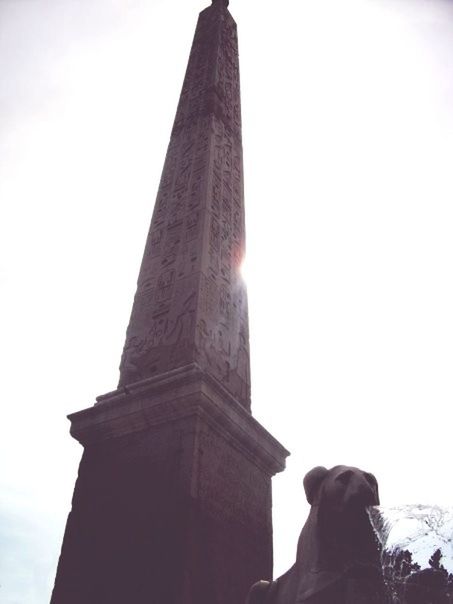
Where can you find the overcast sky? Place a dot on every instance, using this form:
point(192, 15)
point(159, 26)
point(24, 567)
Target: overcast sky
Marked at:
point(348, 140)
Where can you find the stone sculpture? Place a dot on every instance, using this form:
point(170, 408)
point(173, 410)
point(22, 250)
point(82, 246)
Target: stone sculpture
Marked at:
point(337, 554)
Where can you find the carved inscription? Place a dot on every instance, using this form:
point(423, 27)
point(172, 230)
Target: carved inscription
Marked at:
point(222, 329)
point(190, 303)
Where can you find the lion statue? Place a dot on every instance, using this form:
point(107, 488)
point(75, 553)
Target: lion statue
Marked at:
point(337, 559)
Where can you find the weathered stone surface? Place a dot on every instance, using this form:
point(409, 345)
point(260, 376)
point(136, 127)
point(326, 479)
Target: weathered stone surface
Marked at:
point(191, 302)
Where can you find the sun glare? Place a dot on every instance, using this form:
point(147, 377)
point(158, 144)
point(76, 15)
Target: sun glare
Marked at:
point(243, 269)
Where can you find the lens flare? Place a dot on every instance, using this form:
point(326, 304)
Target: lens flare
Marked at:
point(243, 269)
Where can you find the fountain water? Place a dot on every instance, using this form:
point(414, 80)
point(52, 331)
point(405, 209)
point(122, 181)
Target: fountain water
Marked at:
point(416, 544)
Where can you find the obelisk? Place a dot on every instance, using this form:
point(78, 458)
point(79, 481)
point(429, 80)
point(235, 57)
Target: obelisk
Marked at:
point(191, 303)
point(173, 503)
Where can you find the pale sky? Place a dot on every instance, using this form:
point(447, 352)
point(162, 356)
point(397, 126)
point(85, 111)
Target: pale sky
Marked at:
point(348, 141)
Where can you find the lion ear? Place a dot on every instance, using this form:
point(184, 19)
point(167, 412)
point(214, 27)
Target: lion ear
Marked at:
point(372, 479)
point(312, 482)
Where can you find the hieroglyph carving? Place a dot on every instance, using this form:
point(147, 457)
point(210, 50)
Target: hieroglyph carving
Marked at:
point(191, 303)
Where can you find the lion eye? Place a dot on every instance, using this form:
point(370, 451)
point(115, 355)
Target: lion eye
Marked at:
point(371, 479)
point(344, 477)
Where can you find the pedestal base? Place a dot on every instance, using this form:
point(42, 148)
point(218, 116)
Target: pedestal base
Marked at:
point(173, 500)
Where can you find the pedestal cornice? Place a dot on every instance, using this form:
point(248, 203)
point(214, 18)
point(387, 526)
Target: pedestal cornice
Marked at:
point(185, 392)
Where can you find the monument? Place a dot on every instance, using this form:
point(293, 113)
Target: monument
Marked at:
point(172, 503)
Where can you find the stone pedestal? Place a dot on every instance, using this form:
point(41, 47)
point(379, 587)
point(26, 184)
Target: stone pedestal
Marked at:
point(173, 500)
